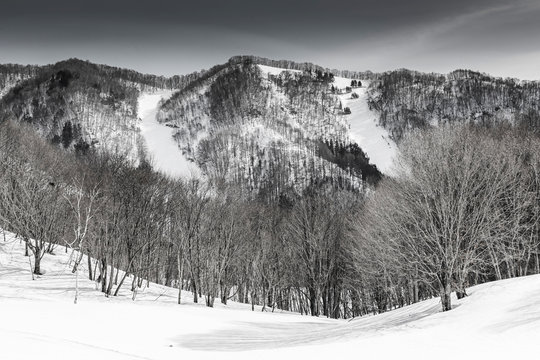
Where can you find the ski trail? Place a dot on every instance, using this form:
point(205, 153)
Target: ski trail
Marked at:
point(163, 150)
point(365, 131)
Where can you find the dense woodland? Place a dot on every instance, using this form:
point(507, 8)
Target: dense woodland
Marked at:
point(464, 209)
point(408, 100)
point(290, 214)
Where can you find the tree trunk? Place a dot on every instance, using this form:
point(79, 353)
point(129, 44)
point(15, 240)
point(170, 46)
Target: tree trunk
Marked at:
point(103, 276)
point(224, 293)
point(446, 299)
point(111, 280)
point(180, 264)
point(194, 289)
point(90, 274)
point(121, 281)
point(313, 302)
point(461, 293)
point(461, 290)
point(37, 262)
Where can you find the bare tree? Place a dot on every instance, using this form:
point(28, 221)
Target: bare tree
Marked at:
point(439, 207)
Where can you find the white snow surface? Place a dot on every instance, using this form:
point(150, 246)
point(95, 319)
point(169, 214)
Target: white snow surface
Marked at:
point(164, 152)
point(364, 129)
point(275, 70)
point(498, 320)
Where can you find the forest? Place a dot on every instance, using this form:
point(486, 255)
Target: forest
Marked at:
point(463, 208)
point(406, 100)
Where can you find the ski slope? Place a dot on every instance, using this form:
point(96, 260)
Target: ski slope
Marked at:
point(363, 125)
point(499, 320)
point(163, 150)
point(364, 128)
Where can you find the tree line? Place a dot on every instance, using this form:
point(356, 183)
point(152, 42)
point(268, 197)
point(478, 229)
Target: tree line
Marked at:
point(462, 209)
point(408, 100)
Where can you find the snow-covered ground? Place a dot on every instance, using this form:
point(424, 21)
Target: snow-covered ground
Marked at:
point(364, 128)
point(38, 320)
point(163, 150)
point(274, 70)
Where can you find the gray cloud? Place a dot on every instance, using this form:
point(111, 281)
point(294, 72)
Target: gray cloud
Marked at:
point(167, 37)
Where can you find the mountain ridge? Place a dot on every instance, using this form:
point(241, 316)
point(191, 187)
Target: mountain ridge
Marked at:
point(85, 107)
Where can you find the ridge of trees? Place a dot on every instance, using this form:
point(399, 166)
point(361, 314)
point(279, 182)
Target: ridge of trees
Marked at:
point(407, 100)
point(305, 66)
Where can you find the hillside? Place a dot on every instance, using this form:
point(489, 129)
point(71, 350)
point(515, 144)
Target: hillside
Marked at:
point(364, 127)
point(79, 105)
point(406, 100)
point(12, 75)
point(497, 320)
point(268, 129)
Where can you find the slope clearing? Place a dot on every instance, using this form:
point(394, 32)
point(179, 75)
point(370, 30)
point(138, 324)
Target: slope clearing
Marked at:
point(160, 144)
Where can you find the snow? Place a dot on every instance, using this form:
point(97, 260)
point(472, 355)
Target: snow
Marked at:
point(364, 129)
point(341, 82)
point(270, 70)
point(498, 320)
point(164, 152)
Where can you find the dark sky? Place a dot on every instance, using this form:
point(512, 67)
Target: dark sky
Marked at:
point(176, 37)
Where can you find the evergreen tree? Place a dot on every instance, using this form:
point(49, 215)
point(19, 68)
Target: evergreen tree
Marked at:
point(67, 134)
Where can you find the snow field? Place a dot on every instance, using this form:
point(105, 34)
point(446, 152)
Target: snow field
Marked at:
point(499, 320)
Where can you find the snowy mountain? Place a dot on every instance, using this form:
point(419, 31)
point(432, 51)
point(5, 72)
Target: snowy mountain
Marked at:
point(498, 320)
point(268, 129)
point(285, 220)
point(79, 105)
point(270, 126)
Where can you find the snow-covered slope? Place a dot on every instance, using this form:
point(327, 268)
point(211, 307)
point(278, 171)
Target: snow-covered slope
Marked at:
point(499, 320)
point(163, 150)
point(364, 129)
point(270, 70)
point(259, 127)
point(363, 123)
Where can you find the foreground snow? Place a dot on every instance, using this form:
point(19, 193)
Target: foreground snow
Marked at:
point(39, 320)
point(161, 146)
